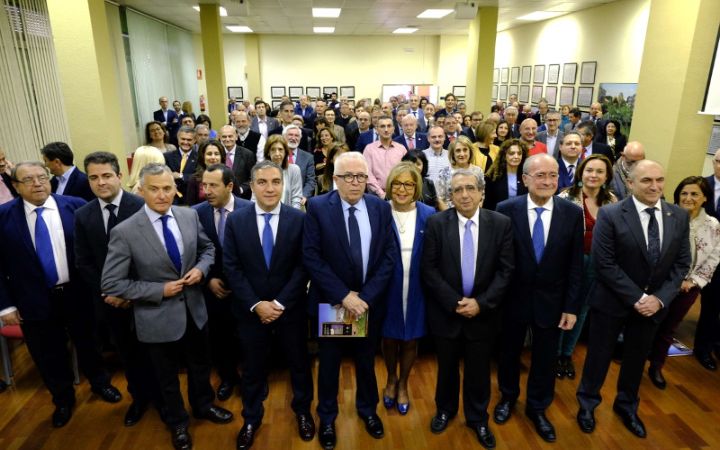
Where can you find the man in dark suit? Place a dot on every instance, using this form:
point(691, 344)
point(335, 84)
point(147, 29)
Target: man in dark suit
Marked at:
point(417, 112)
point(93, 223)
point(551, 136)
point(545, 290)
point(40, 289)
point(568, 159)
point(511, 116)
point(213, 213)
point(574, 116)
point(183, 161)
point(350, 252)
point(263, 263)
point(707, 333)
point(410, 138)
point(67, 179)
point(306, 111)
point(239, 159)
point(587, 131)
point(641, 253)
point(286, 116)
point(301, 158)
point(467, 263)
point(166, 116)
point(157, 259)
point(261, 123)
point(247, 138)
point(596, 117)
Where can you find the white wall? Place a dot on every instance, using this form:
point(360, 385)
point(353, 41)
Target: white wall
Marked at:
point(451, 63)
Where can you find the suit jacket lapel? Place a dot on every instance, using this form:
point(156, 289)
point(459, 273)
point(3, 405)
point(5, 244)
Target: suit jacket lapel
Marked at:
point(283, 232)
point(96, 218)
point(633, 220)
point(24, 231)
point(124, 211)
point(186, 228)
point(338, 218)
point(668, 218)
point(521, 218)
point(67, 217)
point(374, 217)
point(454, 240)
point(554, 234)
point(482, 243)
point(251, 231)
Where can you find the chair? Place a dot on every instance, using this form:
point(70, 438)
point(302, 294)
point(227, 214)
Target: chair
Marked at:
point(15, 332)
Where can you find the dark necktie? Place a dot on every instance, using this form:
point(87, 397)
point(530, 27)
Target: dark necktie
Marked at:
point(717, 209)
point(43, 247)
point(571, 172)
point(267, 240)
point(355, 245)
point(221, 226)
point(170, 245)
point(112, 218)
point(653, 237)
point(468, 260)
point(538, 237)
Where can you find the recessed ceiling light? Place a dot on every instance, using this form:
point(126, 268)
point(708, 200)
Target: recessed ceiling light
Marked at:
point(239, 29)
point(407, 30)
point(324, 29)
point(540, 15)
point(434, 13)
point(223, 11)
point(326, 12)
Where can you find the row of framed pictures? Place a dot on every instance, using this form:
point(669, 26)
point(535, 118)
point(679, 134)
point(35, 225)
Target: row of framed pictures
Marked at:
point(523, 74)
point(527, 95)
point(294, 92)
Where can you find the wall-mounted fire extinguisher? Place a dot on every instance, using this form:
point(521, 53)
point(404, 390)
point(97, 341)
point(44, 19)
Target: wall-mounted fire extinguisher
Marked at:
point(202, 103)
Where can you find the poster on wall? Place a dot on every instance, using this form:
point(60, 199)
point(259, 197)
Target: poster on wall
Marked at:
point(504, 75)
point(496, 75)
point(235, 92)
point(585, 95)
point(569, 73)
point(553, 73)
point(347, 91)
point(551, 95)
point(587, 72)
point(277, 91)
point(536, 94)
point(566, 95)
point(313, 92)
point(295, 92)
point(503, 92)
point(329, 90)
point(513, 90)
point(539, 74)
point(494, 94)
point(526, 70)
point(524, 95)
point(515, 75)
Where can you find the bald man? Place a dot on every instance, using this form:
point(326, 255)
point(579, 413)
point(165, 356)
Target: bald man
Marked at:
point(528, 132)
point(634, 152)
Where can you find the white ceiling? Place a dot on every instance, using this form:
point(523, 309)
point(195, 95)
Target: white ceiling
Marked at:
point(358, 17)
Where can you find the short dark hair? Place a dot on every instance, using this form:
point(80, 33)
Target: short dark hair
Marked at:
point(701, 182)
point(265, 164)
point(58, 150)
point(413, 156)
point(203, 119)
point(588, 126)
point(575, 112)
point(260, 102)
point(102, 158)
point(285, 103)
point(227, 173)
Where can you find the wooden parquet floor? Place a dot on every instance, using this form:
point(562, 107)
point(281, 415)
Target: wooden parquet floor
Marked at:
point(685, 415)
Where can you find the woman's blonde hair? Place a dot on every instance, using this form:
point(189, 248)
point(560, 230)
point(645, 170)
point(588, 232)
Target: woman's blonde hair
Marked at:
point(143, 156)
point(399, 169)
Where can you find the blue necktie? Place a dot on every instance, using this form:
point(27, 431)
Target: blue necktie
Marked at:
point(355, 245)
point(221, 226)
point(538, 237)
point(43, 247)
point(267, 240)
point(717, 209)
point(171, 245)
point(468, 260)
point(653, 237)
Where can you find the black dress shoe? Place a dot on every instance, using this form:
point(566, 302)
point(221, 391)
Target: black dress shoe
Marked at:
point(225, 390)
point(657, 377)
point(632, 422)
point(374, 426)
point(216, 414)
point(560, 368)
point(327, 436)
point(108, 393)
point(706, 360)
point(61, 416)
point(569, 368)
point(246, 436)
point(543, 426)
point(503, 410)
point(586, 420)
point(439, 422)
point(3, 386)
point(135, 412)
point(484, 435)
point(181, 439)
point(306, 426)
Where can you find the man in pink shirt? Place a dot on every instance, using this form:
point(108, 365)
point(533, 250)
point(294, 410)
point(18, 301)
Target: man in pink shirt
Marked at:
point(382, 155)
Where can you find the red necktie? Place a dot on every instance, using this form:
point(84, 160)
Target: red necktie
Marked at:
point(290, 158)
point(411, 143)
point(452, 139)
point(229, 160)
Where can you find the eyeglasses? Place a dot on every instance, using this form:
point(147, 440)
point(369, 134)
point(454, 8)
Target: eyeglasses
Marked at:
point(470, 189)
point(545, 176)
point(29, 181)
point(409, 185)
point(349, 177)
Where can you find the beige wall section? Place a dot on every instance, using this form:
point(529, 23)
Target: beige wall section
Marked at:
point(673, 77)
point(451, 63)
point(214, 62)
point(251, 67)
point(234, 49)
point(88, 76)
point(480, 59)
point(198, 52)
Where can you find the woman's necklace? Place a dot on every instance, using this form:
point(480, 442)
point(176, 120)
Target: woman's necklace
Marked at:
point(401, 223)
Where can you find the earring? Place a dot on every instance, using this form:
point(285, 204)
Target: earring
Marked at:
point(579, 184)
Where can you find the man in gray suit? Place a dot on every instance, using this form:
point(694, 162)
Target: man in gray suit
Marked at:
point(262, 123)
point(157, 259)
point(552, 136)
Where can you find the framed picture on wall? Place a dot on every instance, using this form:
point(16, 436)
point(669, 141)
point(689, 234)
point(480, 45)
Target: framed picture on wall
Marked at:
point(551, 95)
point(351, 102)
point(276, 104)
point(504, 75)
point(277, 91)
point(569, 73)
point(347, 91)
point(494, 94)
point(503, 92)
point(513, 90)
point(524, 95)
point(235, 92)
point(566, 95)
point(459, 91)
point(553, 73)
point(515, 75)
point(328, 90)
point(526, 71)
point(585, 95)
point(295, 92)
point(496, 75)
point(587, 73)
point(312, 92)
point(539, 74)
point(536, 94)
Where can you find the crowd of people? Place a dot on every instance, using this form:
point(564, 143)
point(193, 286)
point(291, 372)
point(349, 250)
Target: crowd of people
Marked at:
point(437, 222)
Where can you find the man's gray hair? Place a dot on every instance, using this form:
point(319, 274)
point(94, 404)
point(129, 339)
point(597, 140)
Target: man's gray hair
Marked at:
point(265, 164)
point(201, 126)
point(13, 173)
point(472, 171)
point(511, 109)
point(531, 160)
point(291, 127)
point(348, 156)
point(186, 130)
point(153, 169)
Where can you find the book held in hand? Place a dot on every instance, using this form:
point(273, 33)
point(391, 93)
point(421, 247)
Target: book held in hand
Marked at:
point(336, 321)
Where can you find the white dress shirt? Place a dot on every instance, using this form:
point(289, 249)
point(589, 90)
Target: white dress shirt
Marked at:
point(546, 216)
point(155, 219)
point(104, 210)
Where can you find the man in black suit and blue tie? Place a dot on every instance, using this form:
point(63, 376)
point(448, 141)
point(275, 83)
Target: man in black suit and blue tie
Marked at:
point(93, 223)
point(263, 263)
point(213, 214)
point(350, 252)
point(545, 291)
point(67, 179)
point(641, 253)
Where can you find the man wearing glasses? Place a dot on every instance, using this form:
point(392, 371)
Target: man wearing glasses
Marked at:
point(544, 292)
point(350, 252)
point(552, 136)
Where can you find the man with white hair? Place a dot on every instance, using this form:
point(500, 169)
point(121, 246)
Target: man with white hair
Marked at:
point(409, 137)
point(301, 158)
point(251, 140)
point(511, 116)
